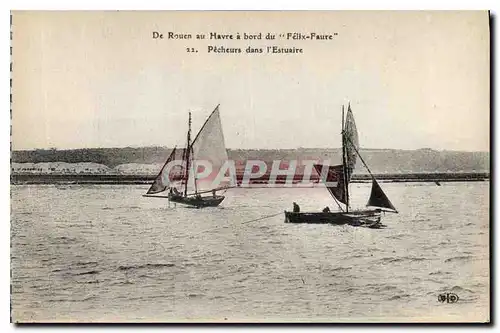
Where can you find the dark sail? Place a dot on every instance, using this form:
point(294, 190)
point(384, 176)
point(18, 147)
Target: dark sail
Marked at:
point(352, 141)
point(335, 174)
point(378, 198)
point(350, 146)
point(162, 180)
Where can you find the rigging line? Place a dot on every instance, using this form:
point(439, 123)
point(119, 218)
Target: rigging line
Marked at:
point(338, 204)
point(331, 194)
point(204, 124)
point(164, 165)
point(334, 198)
point(366, 166)
point(360, 157)
point(219, 227)
point(215, 189)
point(344, 162)
point(187, 155)
point(262, 218)
point(195, 170)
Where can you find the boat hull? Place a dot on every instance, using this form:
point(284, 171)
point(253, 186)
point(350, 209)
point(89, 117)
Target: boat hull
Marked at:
point(198, 202)
point(365, 218)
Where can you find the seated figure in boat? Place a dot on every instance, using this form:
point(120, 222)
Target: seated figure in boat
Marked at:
point(213, 193)
point(296, 208)
point(174, 192)
point(326, 209)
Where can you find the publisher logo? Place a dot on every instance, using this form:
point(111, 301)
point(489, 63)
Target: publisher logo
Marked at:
point(448, 298)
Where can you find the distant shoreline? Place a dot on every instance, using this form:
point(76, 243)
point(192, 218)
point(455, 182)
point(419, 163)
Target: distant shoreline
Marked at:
point(380, 161)
point(20, 179)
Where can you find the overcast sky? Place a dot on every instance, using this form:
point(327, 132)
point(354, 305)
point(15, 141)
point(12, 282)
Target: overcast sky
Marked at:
point(95, 79)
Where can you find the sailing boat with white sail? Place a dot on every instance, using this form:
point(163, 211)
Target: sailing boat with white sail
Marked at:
point(340, 176)
point(208, 146)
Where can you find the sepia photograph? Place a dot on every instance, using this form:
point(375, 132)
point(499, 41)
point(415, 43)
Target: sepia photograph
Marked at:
point(250, 166)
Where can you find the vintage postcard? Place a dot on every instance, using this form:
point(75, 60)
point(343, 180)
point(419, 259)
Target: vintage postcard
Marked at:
point(250, 166)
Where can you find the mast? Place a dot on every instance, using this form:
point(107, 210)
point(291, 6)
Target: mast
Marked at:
point(344, 164)
point(187, 155)
point(195, 169)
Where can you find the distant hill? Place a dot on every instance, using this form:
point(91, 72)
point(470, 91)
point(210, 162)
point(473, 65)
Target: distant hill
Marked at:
point(379, 160)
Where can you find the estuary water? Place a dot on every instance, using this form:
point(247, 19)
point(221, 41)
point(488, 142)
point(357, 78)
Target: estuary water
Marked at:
point(104, 253)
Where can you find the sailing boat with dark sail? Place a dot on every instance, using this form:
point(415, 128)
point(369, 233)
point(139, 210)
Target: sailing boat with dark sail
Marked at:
point(207, 146)
point(337, 179)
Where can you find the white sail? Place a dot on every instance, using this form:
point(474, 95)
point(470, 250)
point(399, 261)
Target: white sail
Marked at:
point(208, 151)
